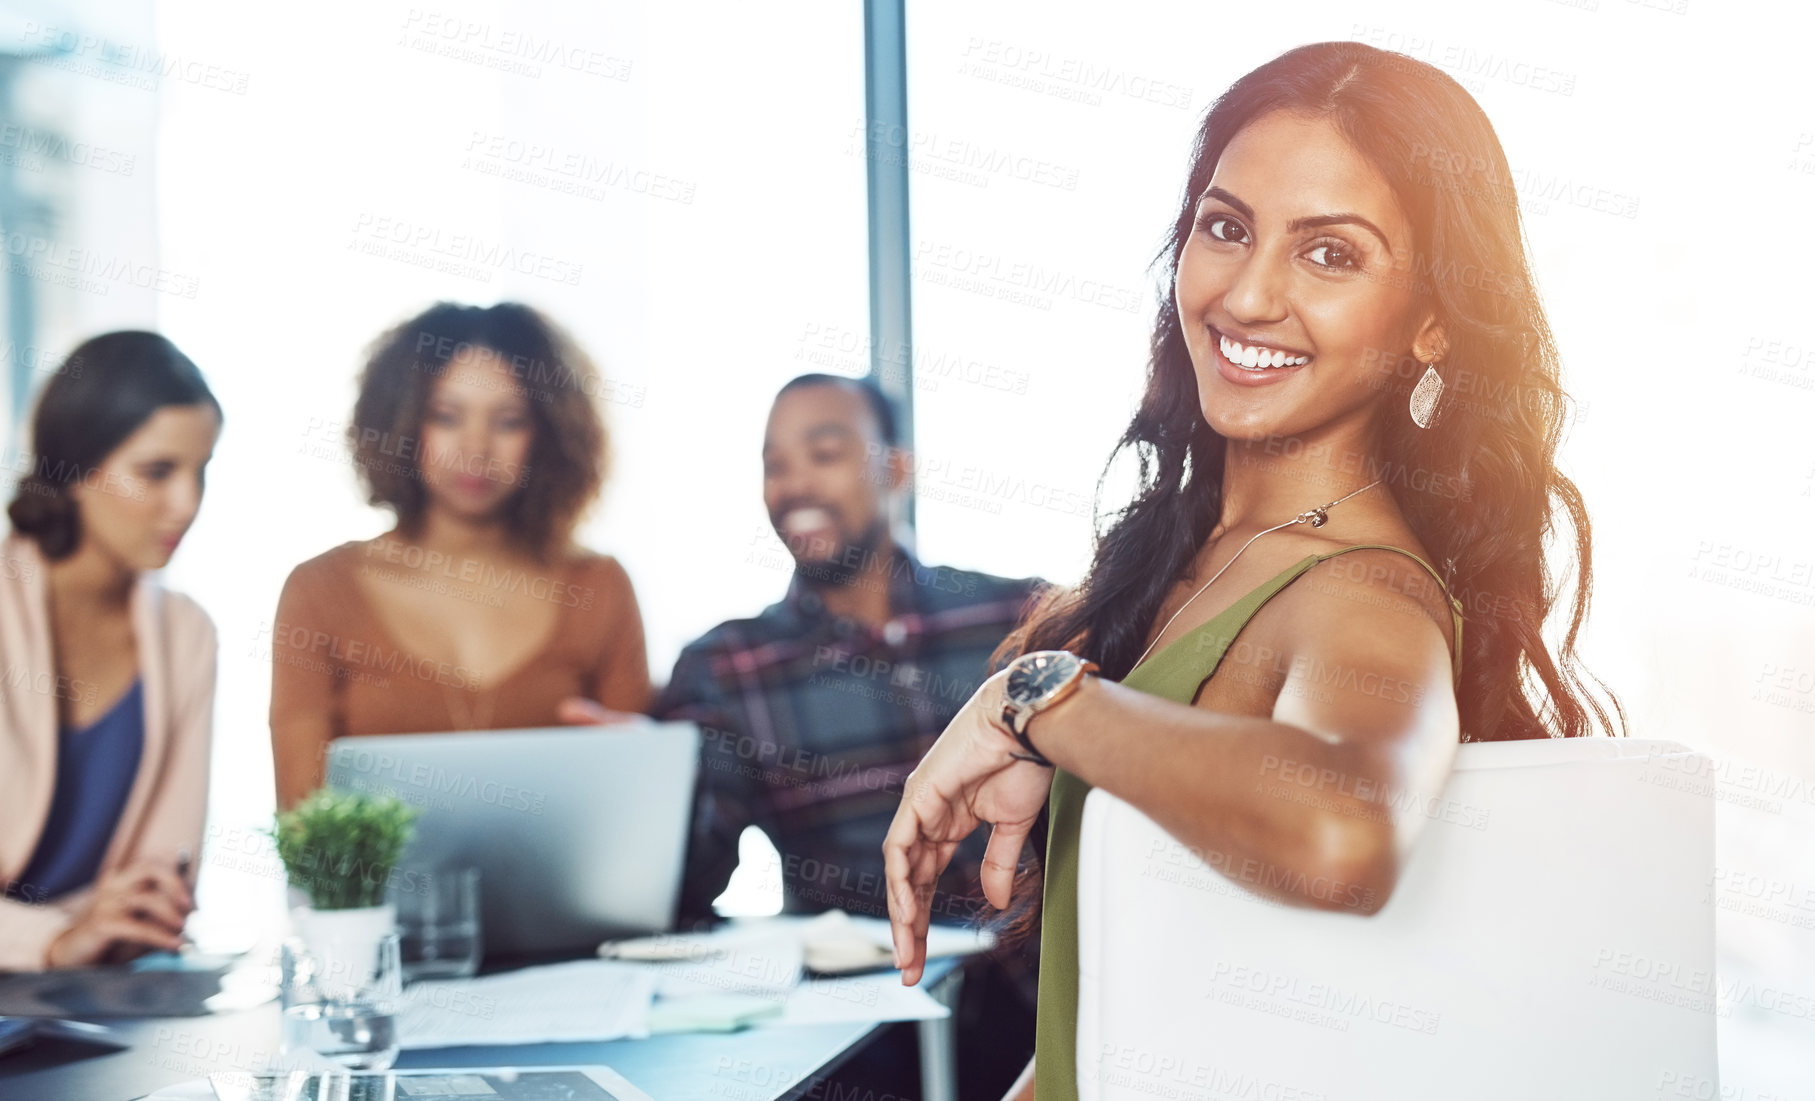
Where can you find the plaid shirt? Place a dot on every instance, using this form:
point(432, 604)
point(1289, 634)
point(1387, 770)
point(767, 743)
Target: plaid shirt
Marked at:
point(811, 722)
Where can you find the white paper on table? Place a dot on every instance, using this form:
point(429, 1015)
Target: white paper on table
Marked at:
point(763, 959)
point(878, 997)
point(837, 942)
point(586, 1000)
point(761, 951)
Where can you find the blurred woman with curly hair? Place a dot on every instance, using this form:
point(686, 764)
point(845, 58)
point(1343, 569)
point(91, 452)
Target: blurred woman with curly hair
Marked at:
point(479, 429)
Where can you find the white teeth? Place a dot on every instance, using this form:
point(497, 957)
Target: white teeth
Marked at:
point(1254, 356)
point(806, 519)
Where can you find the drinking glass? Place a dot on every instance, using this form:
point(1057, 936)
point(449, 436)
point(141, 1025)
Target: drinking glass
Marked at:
point(341, 1003)
point(438, 913)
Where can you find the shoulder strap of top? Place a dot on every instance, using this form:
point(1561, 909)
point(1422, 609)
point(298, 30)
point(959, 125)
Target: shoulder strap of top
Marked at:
point(1181, 667)
point(1455, 606)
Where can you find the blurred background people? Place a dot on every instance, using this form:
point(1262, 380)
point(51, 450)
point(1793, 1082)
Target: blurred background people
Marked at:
point(477, 427)
point(106, 679)
point(814, 711)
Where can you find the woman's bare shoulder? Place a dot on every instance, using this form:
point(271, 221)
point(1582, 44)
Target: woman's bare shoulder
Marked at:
point(1380, 589)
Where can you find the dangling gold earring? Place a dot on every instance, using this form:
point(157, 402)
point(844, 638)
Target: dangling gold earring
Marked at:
point(1425, 395)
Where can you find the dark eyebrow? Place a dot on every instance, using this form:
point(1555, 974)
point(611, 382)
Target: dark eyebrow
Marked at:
point(1312, 222)
point(828, 430)
point(831, 429)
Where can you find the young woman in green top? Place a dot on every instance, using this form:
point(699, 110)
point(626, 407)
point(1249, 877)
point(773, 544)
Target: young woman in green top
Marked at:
point(1352, 379)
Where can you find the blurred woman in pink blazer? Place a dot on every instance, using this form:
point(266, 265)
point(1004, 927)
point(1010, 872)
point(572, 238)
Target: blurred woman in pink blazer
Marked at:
point(106, 679)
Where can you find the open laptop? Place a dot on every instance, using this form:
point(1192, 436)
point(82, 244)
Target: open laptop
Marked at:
point(579, 833)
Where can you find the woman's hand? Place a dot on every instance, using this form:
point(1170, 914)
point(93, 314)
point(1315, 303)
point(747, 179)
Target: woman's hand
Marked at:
point(966, 779)
point(141, 906)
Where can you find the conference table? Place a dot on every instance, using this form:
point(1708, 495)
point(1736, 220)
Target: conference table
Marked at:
point(755, 1064)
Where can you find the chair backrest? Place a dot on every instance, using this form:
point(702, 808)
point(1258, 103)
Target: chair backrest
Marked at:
point(1549, 937)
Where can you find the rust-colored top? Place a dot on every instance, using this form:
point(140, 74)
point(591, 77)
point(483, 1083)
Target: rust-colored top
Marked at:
point(329, 642)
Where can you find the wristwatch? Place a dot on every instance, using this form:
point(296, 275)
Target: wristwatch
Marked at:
point(1037, 681)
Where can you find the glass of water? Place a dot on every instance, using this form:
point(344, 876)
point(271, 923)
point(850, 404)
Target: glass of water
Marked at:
point(343, 1005)
point(438, 914)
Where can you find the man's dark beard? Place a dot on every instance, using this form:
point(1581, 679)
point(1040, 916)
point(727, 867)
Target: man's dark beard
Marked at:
point(846, 566)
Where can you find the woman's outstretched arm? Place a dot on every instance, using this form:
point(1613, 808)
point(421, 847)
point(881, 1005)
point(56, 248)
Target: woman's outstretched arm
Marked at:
point(1314, 805)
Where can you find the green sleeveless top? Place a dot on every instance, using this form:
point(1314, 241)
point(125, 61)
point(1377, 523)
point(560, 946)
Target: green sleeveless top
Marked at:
point(1175, 672)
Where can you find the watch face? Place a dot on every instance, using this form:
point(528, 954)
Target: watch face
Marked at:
point(1037, 675)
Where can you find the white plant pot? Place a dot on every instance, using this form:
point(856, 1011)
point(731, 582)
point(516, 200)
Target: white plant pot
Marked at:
point(345, 943)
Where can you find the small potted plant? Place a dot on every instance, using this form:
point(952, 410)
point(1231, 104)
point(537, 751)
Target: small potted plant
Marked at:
point(339, 848)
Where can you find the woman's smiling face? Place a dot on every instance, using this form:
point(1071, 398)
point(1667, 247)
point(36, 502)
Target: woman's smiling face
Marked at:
point(1300, 247)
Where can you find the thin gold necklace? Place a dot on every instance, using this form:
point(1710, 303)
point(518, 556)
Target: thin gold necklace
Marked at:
point(1314, 517)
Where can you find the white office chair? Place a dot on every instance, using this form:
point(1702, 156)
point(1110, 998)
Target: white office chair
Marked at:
point(1549, 938)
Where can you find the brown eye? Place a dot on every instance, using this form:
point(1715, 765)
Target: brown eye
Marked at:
point(1336, 256)
point(1223, 228)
